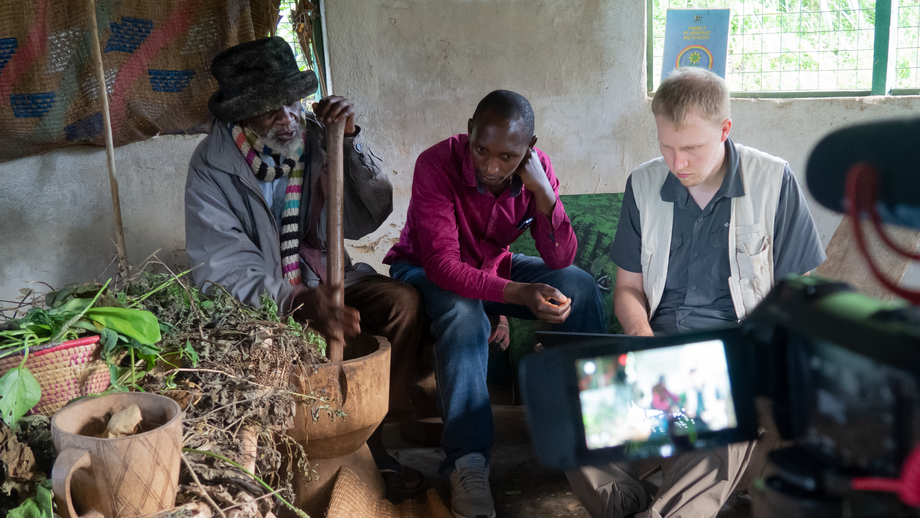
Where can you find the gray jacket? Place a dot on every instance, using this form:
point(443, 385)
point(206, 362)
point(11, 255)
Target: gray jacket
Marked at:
point(231, 236)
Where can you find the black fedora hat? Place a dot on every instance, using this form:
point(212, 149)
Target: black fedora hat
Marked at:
point(257, 77)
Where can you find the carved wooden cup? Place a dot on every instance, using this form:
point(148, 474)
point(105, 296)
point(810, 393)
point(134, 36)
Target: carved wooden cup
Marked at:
point(126, 476)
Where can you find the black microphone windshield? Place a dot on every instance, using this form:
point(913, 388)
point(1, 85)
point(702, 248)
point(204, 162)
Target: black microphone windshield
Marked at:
point(892, 147)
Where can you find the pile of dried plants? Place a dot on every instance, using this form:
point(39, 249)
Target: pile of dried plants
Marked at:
point(230, 368)
point(230, 365)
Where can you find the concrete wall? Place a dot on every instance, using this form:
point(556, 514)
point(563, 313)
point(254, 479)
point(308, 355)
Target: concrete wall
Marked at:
point(56, 219)
point(416, 69)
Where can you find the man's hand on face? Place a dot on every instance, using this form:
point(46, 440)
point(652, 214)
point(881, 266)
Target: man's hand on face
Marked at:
point(318, 307)
point(336, 109)
point(531, 172)
point(544, 301)
point(533, 176)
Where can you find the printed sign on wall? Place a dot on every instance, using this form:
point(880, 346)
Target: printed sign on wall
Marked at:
point(696, 38)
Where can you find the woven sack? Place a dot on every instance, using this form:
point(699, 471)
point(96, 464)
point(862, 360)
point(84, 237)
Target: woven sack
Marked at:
point(352, 499)
point(156, 56)
point(64, 371)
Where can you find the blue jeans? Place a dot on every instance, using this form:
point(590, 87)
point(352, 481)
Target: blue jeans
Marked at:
point(461, 329)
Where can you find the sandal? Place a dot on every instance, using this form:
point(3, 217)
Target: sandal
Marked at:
point(401, 481)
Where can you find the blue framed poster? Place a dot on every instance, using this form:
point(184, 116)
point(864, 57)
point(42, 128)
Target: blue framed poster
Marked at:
point(696, 38)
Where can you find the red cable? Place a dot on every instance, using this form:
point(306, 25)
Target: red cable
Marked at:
point(882, 233)
point(907, 487)
point(862, 197)
point(870, 192)
point(887, 485)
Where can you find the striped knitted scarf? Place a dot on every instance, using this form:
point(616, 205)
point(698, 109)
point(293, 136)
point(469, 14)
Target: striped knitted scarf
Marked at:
point(253, 150)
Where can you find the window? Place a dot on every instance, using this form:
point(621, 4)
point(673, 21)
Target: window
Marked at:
point(802, 48)
point(299, 22)
point(907, 59)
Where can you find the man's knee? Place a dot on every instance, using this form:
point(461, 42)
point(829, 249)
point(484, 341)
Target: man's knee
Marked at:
point(575, 283)
point(608, 491)
point(461, 307)
point(464, 313)
point(405, 301)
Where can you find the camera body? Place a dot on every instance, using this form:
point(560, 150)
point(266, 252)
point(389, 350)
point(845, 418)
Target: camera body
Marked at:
point(842, 371)
point(618, 398)
point(845, 372)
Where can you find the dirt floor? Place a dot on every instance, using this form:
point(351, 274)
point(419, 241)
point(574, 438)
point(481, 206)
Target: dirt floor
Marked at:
point(521, 486)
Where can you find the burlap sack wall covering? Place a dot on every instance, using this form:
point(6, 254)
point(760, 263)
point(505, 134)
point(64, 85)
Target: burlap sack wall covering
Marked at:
point(156, 55)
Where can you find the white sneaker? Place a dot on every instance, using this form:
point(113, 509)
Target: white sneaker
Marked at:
point(470, 496)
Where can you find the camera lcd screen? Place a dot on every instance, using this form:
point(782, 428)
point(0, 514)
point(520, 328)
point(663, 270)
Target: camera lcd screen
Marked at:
point(656, 397)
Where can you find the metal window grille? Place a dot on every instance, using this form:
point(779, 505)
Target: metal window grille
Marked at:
point(811, 47)
point(907, 58)
point(286, 29)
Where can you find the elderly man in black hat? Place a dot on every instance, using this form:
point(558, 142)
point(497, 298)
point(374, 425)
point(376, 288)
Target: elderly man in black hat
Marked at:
point(254, 217)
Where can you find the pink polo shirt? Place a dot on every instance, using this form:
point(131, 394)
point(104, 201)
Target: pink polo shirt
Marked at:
point(459, 232)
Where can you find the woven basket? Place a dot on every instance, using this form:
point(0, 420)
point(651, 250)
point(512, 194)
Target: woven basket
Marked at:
point(64, 371)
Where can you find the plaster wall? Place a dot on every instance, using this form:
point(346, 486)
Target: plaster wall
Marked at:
point(415, 69)
point(56, 218)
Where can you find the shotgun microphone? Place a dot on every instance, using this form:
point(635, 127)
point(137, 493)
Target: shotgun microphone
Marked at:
point(891, 148)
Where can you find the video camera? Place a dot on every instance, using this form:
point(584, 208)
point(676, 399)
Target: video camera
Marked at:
point(842, 371)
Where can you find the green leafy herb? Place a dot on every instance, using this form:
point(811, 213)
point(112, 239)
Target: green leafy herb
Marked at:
point(72, 310)
point(189, 352)
point(28, 509)
point(133, 323)
point(38, 506)
point(269, 307)
point(19, 392)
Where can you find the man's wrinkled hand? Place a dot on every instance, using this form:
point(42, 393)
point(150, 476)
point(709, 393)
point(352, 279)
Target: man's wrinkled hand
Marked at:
point(336, 108)
point(544, 301)
point(333, 321)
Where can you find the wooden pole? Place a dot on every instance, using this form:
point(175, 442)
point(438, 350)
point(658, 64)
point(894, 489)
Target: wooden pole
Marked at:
point(109, 146)
point(335, 238)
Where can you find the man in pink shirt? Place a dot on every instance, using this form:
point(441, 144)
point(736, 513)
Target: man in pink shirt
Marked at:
point(472, 196)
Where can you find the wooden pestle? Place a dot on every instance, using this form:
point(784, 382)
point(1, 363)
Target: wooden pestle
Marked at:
point(335, 238)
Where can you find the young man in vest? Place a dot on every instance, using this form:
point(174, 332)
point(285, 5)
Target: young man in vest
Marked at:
point(472, 196)
point(704, 232)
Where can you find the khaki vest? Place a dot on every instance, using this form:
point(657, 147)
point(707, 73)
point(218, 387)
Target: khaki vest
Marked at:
point(750, 228)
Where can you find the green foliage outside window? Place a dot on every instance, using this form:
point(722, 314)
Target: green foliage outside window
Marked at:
point(305, 60)
point(907, 64)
